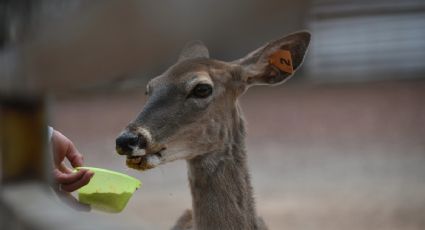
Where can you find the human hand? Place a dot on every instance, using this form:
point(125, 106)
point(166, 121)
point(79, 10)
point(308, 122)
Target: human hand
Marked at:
point(68, 180)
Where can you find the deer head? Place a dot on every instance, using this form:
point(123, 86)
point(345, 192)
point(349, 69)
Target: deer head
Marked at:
point(192, 107)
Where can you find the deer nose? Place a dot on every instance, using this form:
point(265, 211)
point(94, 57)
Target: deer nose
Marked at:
point(126, 142)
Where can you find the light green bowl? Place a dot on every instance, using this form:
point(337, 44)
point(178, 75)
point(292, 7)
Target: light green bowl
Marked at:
point(107, 190)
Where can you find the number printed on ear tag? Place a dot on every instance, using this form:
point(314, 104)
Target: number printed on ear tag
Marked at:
point(282, 60)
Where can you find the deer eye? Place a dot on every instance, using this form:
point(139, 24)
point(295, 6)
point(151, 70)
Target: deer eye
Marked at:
point(201, 91)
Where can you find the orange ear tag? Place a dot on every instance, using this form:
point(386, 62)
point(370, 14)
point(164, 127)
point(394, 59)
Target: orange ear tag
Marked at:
point(282, 60)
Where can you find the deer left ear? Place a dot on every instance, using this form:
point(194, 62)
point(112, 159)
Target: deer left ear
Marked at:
point(194, 49)
point(275, 62)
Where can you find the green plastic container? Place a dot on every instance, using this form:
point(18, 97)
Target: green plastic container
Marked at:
point(107, 190)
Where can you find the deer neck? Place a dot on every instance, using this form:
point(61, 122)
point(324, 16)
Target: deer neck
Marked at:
point(220, 185)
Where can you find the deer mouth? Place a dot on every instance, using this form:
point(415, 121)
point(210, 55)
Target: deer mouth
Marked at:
point(144, 162)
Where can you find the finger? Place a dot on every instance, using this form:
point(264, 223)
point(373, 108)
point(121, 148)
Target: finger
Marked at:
point(63, 147)
point(63, 168)
point(74, 156)
point(78, 184)
point(65, 178)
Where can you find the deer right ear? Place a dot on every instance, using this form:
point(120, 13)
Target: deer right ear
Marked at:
point(275, 62)
point(194, 49)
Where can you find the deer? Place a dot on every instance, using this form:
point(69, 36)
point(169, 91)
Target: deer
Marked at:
point(192, 113)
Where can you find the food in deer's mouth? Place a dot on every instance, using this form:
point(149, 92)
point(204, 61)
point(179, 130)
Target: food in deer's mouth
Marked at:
point(134, 159)
point(144, 162)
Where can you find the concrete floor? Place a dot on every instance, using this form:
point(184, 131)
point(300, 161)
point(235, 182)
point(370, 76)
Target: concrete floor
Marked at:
point(321, 157)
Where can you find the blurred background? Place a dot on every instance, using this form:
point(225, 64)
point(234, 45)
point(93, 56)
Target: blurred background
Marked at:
point(339, 146)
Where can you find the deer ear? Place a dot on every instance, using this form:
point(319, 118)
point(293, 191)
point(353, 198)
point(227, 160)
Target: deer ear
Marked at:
point(194, 49)
point(275, 62)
